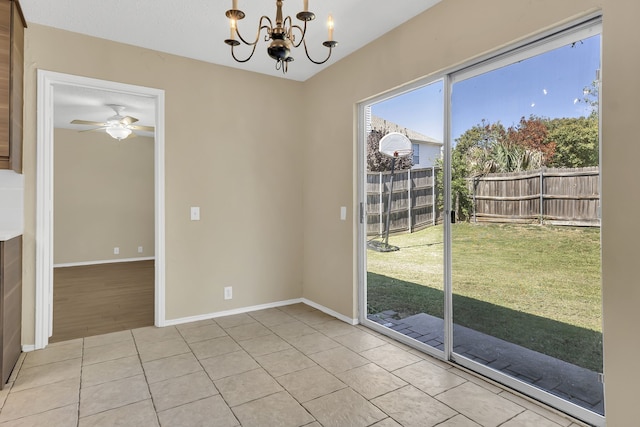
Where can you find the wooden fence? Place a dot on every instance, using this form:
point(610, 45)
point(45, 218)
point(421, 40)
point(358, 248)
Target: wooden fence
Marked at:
point(545, 196)
point(413, 205)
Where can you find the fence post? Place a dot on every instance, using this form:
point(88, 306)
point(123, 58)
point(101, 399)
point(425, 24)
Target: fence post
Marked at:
point(474, 183)
point(409, 200)
point(433, 195)
point(541, 195)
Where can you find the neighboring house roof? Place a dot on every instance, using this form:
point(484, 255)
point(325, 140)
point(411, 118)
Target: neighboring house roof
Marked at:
point(378, 123)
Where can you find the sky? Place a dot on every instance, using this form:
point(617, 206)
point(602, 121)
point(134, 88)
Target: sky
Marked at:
point(548, 85)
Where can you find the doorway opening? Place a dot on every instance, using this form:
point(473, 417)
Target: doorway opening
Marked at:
point(48, 85)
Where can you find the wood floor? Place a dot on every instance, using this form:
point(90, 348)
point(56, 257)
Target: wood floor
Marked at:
point(98, 299)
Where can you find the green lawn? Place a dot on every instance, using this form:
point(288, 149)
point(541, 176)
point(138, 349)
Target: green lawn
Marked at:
point(538, 287)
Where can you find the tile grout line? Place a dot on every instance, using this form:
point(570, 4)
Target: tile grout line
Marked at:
point(347, 386)
point(146, 380)
point(268, 373)
point(207, 373)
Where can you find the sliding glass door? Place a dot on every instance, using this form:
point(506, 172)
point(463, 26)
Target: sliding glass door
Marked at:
point(500, 273)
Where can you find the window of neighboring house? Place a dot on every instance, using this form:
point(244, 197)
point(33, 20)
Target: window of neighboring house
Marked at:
point(416, 153)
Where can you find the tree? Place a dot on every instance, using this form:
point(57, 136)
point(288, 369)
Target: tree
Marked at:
point(591, 98)
point(377, 162)
point(489, 148)
point(475, 148)
point(469, 158)
point(577, 141)
point(531, 134)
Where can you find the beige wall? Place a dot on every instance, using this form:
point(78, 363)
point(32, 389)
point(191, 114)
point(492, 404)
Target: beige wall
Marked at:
point(451, 33)
point(225, 152)
point(103, 197)
point(282, 230)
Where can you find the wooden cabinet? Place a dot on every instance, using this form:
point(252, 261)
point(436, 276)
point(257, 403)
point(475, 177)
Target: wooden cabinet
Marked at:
point(12, 25)
point(10, 305)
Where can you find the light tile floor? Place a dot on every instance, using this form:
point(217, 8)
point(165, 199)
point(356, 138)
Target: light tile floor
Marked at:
point(287, 366)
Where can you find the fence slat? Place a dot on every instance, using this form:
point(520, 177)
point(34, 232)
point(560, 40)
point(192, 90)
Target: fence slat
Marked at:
point(413, 205)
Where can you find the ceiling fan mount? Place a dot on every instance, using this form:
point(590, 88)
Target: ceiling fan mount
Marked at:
point(117, 126)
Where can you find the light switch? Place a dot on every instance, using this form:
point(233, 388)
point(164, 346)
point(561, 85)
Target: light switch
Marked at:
point(195, 213)
point(343, 213)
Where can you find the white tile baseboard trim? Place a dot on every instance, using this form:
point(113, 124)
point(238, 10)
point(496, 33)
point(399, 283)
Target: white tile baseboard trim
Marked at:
point(28, 347)
point(179, 321)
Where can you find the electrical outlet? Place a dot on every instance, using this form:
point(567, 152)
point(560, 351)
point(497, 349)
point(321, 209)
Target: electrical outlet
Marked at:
point(228, 292)
point(140, 249)
point(116, 250)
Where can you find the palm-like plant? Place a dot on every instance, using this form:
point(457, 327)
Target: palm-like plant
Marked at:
point(503, 156)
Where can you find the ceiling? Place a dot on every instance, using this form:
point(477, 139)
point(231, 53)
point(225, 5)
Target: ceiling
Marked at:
point(76, 102)
point(197, 29)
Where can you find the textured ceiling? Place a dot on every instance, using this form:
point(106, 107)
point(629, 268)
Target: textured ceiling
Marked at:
point(196, 29)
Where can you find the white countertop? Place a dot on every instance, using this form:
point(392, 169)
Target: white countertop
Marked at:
point(11, 205)
point(9, 234)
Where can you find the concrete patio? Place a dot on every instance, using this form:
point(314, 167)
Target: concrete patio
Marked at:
point(570, 382)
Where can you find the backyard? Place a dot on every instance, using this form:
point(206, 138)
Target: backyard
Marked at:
point(535, 286)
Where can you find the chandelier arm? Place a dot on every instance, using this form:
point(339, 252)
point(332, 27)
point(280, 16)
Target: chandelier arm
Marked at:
point(243, 60)
point(284, 23)
point(306, 51)
point(260, 28)
point(302, 31)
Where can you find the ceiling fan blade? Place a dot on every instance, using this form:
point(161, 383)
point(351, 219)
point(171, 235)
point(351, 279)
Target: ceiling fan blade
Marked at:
point(145, 128)
point(87, 122)
point(128, 120)
point(94, 129)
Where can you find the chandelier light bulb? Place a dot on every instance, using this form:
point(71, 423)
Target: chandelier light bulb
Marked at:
point(232, 27)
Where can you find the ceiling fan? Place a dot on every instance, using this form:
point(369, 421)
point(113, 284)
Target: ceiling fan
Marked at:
point(117, 126)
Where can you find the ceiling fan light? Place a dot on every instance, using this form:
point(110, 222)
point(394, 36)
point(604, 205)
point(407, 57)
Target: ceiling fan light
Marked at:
point(118, 132)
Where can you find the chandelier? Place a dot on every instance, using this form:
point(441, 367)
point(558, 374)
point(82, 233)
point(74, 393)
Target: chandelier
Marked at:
point(284, 36)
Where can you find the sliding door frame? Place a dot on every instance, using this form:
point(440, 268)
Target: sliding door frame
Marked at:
point(560, 36)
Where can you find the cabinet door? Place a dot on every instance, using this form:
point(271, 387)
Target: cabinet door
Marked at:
point(11, 301)
point(5, 70)
point(16, 89)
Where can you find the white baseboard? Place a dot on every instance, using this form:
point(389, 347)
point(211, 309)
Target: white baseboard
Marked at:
point(103, 261)
point(241, 310)
point(276, 304)
point(179, 321)
point(331, 312)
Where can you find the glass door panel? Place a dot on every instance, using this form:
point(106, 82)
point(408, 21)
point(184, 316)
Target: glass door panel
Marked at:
point(525, 246)
point(404, 254)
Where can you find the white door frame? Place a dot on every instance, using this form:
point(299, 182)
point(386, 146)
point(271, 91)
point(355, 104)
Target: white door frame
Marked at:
point(47, 80)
